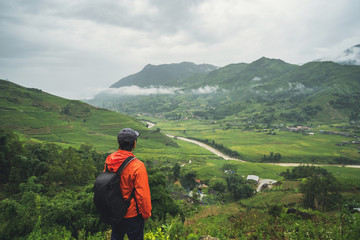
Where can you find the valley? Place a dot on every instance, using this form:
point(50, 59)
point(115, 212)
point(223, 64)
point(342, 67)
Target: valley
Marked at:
point(266, 150)
point(301, 114)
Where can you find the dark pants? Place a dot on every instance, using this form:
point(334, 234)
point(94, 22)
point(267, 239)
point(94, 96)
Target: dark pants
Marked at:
point(132, 227)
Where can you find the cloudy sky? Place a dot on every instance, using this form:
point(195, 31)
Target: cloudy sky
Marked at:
point(74, 48)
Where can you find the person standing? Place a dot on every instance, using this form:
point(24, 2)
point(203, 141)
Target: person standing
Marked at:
point(133, 176)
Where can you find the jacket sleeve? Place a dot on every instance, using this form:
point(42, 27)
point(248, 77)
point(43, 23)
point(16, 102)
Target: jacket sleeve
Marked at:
point(142, 192)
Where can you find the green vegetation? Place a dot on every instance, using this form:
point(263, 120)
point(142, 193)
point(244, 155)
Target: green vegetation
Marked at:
point(321, 192)
point(63, 199)
point(303, 172)
point(238, 187)
point(47, 190)
point(53, 148)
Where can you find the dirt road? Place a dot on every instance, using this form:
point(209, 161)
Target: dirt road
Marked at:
point(150, 124)
point(213, 150)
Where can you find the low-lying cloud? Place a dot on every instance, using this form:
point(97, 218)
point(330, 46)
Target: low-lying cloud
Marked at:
point(351, 56)
point(205, 90)
point(134, 90)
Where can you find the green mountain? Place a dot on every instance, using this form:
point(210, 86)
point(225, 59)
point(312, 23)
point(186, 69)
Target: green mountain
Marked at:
point(41, 117)
point(240, 76)
point(267, 91)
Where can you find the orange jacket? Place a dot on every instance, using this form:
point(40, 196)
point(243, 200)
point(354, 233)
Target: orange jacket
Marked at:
point(134, 175)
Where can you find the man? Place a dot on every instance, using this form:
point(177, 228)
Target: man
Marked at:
point(133, 176)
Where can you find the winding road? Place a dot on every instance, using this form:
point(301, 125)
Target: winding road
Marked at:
point(211, 149)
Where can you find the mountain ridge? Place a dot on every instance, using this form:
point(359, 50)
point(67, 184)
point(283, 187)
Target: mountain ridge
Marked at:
point(238, 89)
point(155, 75)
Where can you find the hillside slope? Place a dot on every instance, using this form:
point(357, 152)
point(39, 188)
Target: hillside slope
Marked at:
point(40, 116)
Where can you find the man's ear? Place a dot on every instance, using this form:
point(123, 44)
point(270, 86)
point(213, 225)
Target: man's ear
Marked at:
point(134, 145)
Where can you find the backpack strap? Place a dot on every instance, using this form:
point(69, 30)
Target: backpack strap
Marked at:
point(137, 207)
point(124, 164)
point(119, 171)
point(106, 168)
point(132, 195)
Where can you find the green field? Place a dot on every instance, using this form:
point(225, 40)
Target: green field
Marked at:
point(252, 145)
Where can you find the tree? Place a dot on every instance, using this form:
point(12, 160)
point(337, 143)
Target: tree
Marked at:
point(272, 157)
point(188, 180)
point(238, 187)
point(161, 200)
point(219, 186)
point(25, 167)
point(10, 146)
point(176, 170)
point(304, 171)
point(321, 192)
point(229, 166)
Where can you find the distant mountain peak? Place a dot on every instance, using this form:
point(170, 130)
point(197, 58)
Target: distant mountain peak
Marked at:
point(158, 75)
point(148, 66)
point(268, 60)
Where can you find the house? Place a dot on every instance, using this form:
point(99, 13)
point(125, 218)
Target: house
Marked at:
point(299, 128)
point(253, 178)
point(265, 183)
point(354, 210)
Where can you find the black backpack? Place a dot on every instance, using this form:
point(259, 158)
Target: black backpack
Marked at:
point(108, 198)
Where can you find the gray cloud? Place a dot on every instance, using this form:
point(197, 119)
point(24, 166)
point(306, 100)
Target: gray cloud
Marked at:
point(73, 47)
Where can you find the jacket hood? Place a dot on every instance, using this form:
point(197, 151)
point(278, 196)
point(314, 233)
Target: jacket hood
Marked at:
point(116, 159)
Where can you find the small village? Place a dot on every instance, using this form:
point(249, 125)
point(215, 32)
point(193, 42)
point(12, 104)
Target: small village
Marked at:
point(253, 180)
